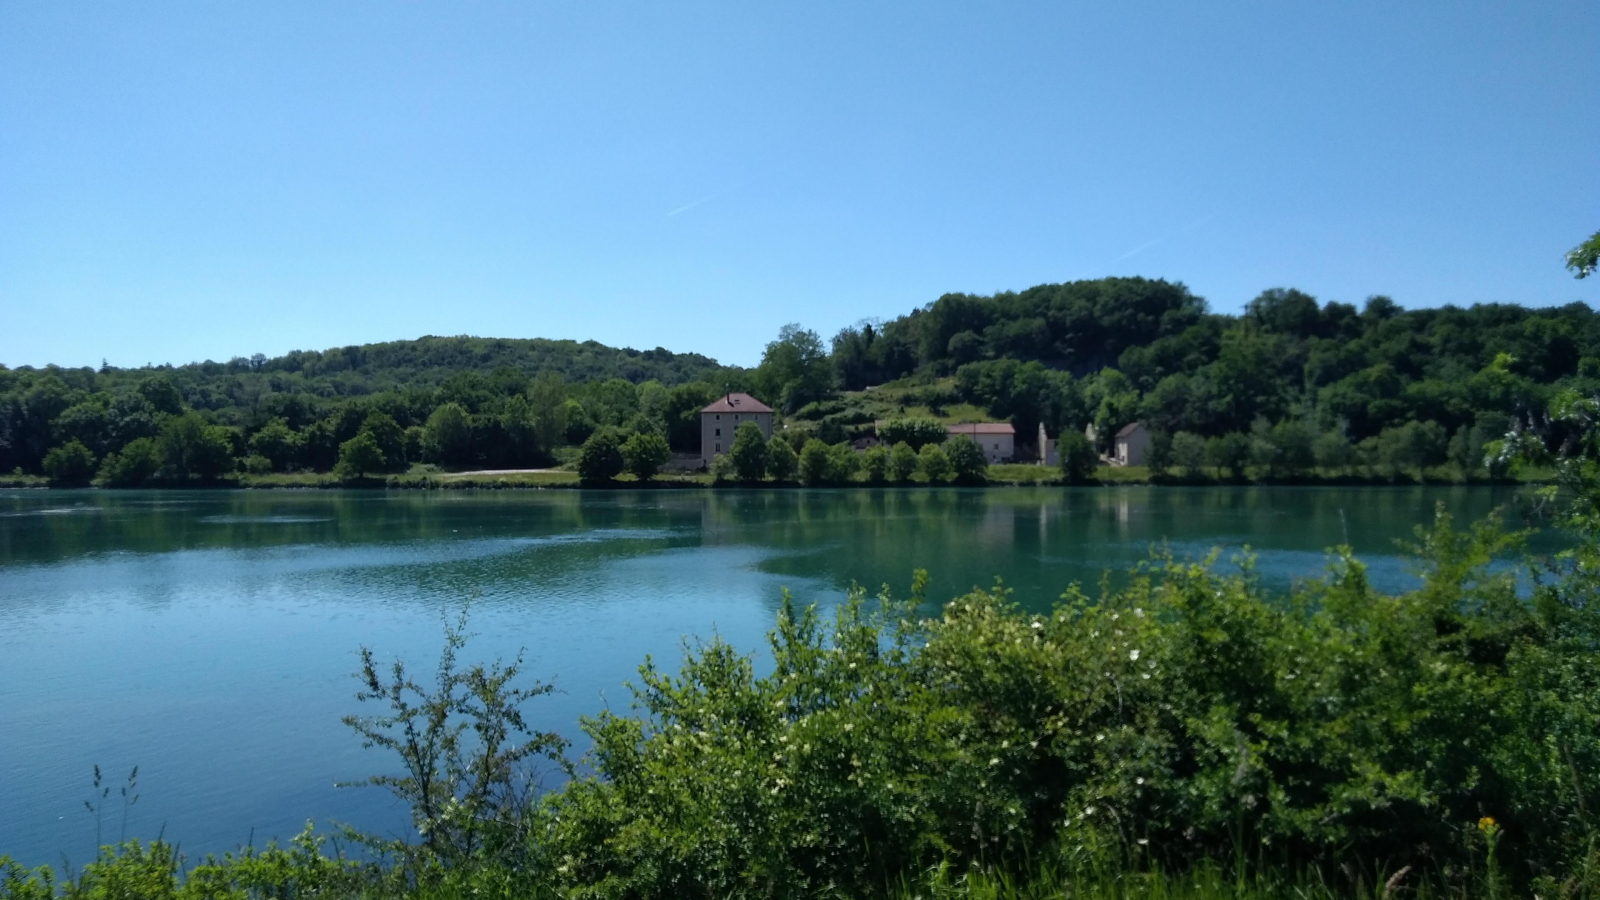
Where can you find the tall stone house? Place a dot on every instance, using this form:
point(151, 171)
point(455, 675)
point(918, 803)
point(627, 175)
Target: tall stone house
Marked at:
point(720, 419)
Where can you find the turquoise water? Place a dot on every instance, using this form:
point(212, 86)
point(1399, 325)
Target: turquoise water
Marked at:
point(210, 637)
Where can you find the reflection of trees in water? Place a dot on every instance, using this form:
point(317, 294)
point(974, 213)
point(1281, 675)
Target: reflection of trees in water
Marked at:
point(1039, 539)
point(166, 521)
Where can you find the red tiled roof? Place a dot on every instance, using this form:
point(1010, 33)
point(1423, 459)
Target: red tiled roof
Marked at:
point(1129, 428)
point(737, 403)
point(981, 428)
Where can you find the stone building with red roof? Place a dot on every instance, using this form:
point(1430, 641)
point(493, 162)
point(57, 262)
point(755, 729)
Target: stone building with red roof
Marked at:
point(719, 420)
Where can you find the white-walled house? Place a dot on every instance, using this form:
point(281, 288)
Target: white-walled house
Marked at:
point(997, 439)
point(720, 419)
point(1132, 443)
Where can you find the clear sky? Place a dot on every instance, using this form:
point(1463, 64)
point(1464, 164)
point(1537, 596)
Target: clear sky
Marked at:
point(181, 181)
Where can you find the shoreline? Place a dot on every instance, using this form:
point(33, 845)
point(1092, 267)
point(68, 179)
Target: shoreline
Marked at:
point(566, 480)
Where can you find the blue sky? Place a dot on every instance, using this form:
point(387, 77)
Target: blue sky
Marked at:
point(181, 181)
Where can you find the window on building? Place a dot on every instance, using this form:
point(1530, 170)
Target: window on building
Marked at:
point(719, 417)
point(736, 417)
point(719, 432)
point(719, 448)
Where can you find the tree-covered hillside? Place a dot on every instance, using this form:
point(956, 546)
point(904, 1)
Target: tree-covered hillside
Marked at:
point(491, 402)
point(1288, 384)
point(1114, 351)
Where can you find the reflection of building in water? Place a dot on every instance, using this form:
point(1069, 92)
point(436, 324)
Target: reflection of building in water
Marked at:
point(998, 527)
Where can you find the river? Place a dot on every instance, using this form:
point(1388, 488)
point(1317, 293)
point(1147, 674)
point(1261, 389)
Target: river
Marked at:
point(209, 637)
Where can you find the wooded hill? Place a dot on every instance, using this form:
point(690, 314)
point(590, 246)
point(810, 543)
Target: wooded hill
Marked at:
point(1293, 381)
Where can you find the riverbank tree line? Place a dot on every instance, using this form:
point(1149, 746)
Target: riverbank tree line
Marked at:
point(1288, 384)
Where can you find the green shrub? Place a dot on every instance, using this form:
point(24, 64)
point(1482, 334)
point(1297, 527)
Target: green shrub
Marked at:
point(1077, 456)
point(1189, 451)
point(914, 431)
point(69, 465)
point(782, 461)
point(968, 465)
point(814, 462)
point(359, 456)
point(644, 453)
point(132, 466)
point(601, 458)
point(749, 452)
point(902, 462)
point(875, 463)
point(932, 463)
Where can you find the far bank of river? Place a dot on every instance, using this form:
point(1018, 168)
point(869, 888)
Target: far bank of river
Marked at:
point(1003, 476)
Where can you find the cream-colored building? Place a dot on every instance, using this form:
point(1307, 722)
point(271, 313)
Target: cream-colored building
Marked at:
point(721, 419)
point(1132, 443)
point(998, 440)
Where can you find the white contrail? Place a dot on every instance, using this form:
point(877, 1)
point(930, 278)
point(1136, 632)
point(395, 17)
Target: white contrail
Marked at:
point(693, 204)
point(1148, 244)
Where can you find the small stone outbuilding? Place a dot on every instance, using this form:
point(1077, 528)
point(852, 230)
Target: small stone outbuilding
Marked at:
point(998, 440)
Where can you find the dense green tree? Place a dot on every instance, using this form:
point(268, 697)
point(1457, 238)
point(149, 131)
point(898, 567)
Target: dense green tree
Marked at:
point(577, 424)
point(843, 463)
point(794, 370)
point(933, 464)
point(190, 447)
point(782, 461)
point(902, 462)
point(132, 466)
point(390, 438)
point(1189, 451)
point(1158, 456)
point(162, 395)
point(1294, 445)
point(749, 452)
point(69, 465)
point(360, 455)
point(1077, 457)
point(681, 412)
point(814, 462)
point(447, 438)
point(600, 460)
point(277, 443)
point(89, 423)
point(644, 453)
point(521, 429)
point(875, 463)
point(1230, 451)
point(1413, 446)
point(1333, 450)
point(967, 463)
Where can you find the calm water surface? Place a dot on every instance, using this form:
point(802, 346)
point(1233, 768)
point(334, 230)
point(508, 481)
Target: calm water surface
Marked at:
point(209, 637)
